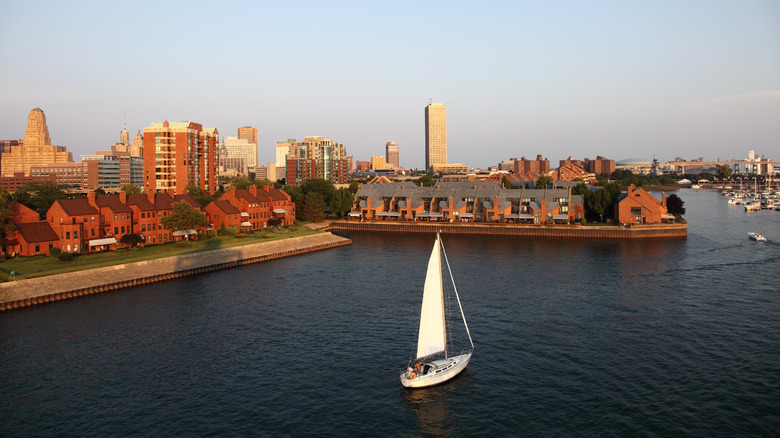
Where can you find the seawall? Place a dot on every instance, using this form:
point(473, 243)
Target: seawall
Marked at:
point(34, 291)
point(555, 231)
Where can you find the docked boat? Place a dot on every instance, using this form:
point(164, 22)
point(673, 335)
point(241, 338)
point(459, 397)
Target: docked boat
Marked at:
point(433, 361)
point(753, 206)
point(757, 237)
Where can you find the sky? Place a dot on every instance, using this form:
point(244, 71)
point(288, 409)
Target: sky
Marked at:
point(641, 79)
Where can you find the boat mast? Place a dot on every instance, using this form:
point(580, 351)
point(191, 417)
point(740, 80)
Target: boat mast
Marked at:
point(452, 279)
point(441, 295)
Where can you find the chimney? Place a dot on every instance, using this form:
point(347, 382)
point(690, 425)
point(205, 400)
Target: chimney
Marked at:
point(123, 197)
point(150, 196)
point(91, 198)
point(253, 190)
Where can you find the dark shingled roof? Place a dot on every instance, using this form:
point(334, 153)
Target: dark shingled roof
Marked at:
point(226, 207)
point(141, 201)
point(113, 203)
point(36, 232)
point(77, 207)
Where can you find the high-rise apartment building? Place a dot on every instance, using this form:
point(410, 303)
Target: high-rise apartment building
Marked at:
point(180, 153)
point(435, 135)
point(315, 157)
point(35, 150)
point(391, 152)
point(112, 169)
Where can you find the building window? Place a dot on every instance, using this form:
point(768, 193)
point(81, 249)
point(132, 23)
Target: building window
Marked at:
point(636, 211)
point(67, 236)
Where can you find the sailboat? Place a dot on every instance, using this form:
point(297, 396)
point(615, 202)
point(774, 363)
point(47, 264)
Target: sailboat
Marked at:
point(434, 363)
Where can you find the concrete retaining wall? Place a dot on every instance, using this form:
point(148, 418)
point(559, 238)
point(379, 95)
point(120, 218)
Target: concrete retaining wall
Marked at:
point(556, 231)
point(18, 294)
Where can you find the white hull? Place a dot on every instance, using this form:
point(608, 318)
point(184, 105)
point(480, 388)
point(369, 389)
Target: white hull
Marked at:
point(757, 237)
point(444, 370)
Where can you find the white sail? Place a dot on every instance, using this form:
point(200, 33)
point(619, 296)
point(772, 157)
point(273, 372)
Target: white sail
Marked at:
point(431, 337)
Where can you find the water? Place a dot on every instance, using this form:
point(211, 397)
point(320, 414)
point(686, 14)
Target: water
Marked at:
point(573, 337)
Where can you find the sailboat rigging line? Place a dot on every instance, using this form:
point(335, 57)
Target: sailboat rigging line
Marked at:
point(456, 290)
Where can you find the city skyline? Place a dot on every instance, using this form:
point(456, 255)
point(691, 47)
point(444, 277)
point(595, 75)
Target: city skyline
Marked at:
point(696, 79)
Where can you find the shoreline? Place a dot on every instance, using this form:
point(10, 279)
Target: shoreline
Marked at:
point(667, 231)
point(40, 290)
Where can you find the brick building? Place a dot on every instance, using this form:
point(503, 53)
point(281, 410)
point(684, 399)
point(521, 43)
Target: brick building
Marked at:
point(637, 206)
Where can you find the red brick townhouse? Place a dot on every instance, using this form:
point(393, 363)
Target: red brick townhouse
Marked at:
point(223, 213)
point(31, 236)
point(282, 206)
point(76, 222)
point(115, 219)
point(146, 217)
point(254, 209)
point(164, 201)
point(637, 206)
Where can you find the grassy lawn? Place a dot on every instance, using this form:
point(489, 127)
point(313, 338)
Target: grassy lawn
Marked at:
point(38, 266)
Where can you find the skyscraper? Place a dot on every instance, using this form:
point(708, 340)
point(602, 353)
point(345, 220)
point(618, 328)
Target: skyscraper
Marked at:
point(391, 152)
point(248, 133)
point(36, 149)
point(435, 135)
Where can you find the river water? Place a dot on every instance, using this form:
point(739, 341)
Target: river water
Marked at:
point(573, 338)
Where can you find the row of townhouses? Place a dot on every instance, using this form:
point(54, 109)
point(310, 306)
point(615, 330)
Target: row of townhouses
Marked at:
point(97, 223)
point(488, 201)
point(479, 201)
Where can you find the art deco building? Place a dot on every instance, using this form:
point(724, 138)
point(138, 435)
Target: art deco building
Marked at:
point(391, 152)
point(435, 135)
point(180, 153)
point(36, 149)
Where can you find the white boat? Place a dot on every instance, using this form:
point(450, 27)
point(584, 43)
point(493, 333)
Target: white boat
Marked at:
point(434, 363)
point(757, 237)
point(753, 206)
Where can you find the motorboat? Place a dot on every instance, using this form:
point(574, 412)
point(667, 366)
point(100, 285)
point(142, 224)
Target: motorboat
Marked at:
point(757, 237)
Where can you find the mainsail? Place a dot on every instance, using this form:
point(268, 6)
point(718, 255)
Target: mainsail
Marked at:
point(431, 338)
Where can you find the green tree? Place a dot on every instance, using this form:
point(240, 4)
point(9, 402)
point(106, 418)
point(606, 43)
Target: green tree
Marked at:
point(674, 205)
point(313, 207)
point(39, 195)
point(597, 203)
point(99, 192)
point(296, 195)
point(201, 196)
point(240, 182)
point(131, 239)
point(183, 217)
point(543, 181)
point(724, 171)
point(341, 202)
point(132, 189)
point(262, 182)
point(323, 186)
point(425, 180)
point(354, 186)
point(6, 215)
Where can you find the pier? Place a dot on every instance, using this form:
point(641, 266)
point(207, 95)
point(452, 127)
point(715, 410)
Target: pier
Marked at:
point(41, 290)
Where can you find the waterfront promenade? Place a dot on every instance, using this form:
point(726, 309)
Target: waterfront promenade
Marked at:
point(22, 293)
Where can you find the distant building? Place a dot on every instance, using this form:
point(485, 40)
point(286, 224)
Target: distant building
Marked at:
point(379, 163)
point(435, 135)
point(391, 152)
point(35, 150)
point(112, 170)
point(249, 134)
point(637, 206)
point(180, 153)
point(241, 148)
point(18, 180)
point(71, 175)
point(316, 157)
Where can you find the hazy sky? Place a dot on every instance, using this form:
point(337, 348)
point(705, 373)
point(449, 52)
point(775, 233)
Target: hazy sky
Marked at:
point(620, 79)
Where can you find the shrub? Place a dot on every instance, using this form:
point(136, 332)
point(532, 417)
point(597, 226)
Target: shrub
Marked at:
point(240, 235)
point(55, 252)
point(66, 256)
point(230, 231)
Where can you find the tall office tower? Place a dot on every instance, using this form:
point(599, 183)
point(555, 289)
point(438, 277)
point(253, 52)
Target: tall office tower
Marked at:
point(36, 149)
point(248, 133)
point(435, 135)
point(180, 153)
point(391, 152)
point(242, 148)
